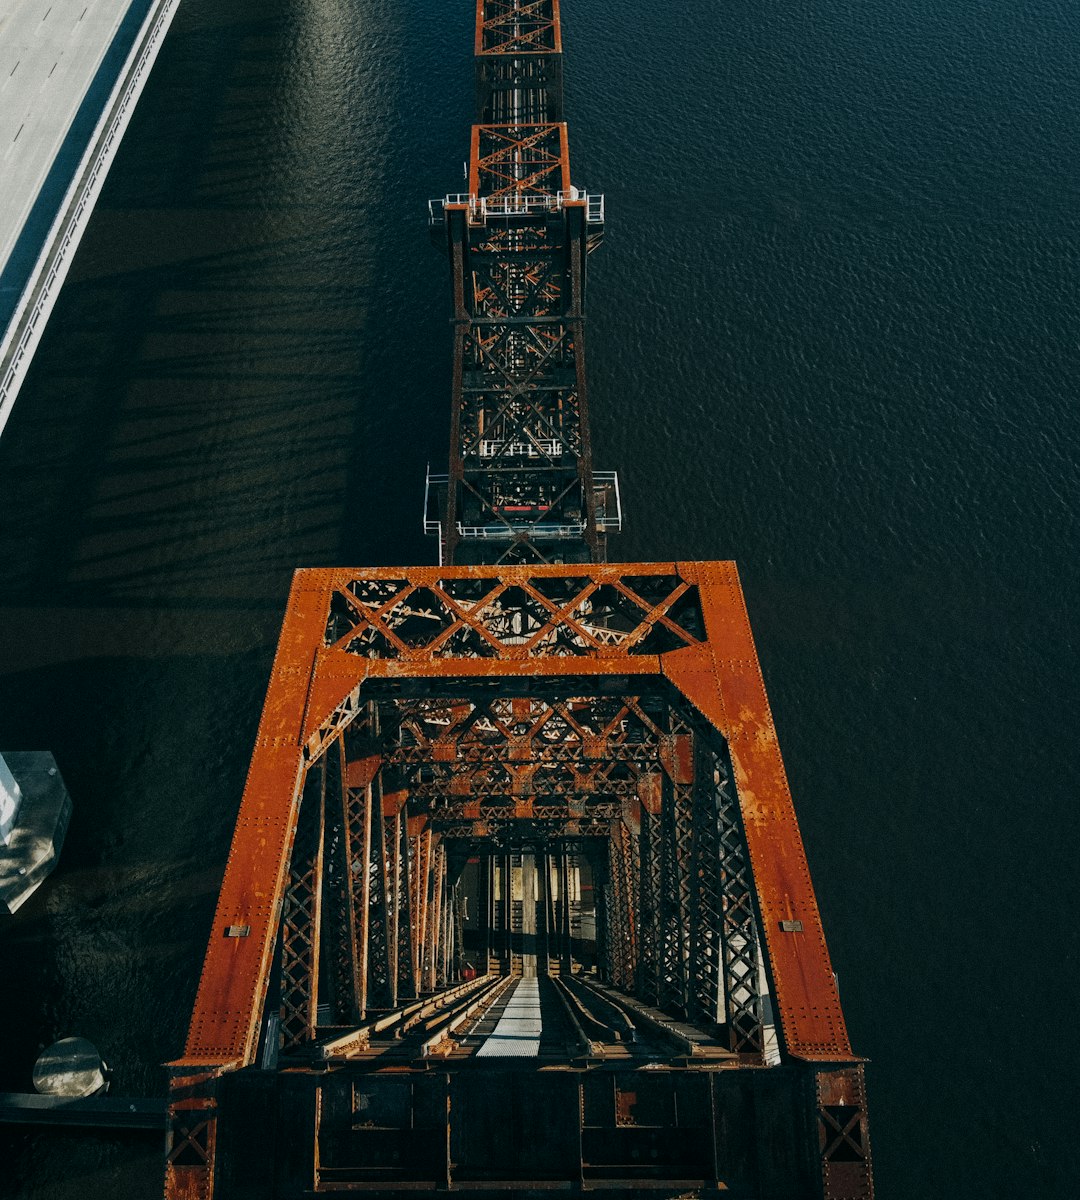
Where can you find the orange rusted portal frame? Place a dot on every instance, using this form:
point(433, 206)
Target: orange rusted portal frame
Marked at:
point(519, 163)
point(317, 684)
point(516, 28)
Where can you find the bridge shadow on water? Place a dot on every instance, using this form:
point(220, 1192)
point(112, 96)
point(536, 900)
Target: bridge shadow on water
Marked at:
point(246, 372)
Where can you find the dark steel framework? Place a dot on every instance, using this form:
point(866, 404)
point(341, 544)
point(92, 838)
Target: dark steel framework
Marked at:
point(521, 485)
point(523, 724)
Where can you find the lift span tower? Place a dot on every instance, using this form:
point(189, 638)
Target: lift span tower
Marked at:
point(517, 901)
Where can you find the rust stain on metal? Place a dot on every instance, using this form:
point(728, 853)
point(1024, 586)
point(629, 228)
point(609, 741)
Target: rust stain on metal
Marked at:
point(361, 771)
point(624, 1107)
point(718, 675)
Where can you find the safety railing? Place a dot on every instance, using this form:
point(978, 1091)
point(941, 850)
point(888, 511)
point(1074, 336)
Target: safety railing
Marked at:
point(494, 533)
point(481, 208)
point(606, 485)
point(432, 523)
point(594, 204)
point(539, 447)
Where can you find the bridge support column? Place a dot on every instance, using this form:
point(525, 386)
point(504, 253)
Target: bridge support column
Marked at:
point(301, 917)
point(648, 984)
point(843, 1134)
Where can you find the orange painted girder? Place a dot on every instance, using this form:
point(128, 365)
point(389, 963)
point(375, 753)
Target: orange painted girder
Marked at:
point(723, 680)
point(487, 13)
point(310, 683)
point(516, 142)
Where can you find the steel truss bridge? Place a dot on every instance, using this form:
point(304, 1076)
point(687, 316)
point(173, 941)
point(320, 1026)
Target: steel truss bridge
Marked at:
point(517, 900)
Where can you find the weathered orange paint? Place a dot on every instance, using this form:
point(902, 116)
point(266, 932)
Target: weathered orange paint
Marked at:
point(720, 677)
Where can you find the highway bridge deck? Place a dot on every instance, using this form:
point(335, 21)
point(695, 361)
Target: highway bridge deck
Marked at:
point(70, 74)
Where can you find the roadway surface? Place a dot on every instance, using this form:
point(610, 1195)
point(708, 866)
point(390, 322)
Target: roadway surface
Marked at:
point(50, 52)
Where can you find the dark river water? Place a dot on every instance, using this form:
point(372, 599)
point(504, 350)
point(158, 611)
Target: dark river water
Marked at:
point(834, 335)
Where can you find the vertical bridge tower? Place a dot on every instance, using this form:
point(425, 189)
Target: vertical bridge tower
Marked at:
point(517, 900)
point(521, 485)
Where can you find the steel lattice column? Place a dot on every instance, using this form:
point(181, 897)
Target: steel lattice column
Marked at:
point(422, 886)
point(648, 987)
point(432, 942)
point(338, 977)
point(671, 918)
point(675, 859)
point(357, 802)
point(406, 941)
point(566, 954)
point(598, 865)
point(706, 902)
point(742, 977)
point(301, 917)
point(621, 907)
point(380, 972)
point(844, 1134)
point(543, 876)
point(487, 908)
point(506, 915)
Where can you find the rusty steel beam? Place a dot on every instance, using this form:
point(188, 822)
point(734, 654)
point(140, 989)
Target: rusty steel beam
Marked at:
point(624, 908)
point(518, 27)
point(438, 889)
point(519, 163)
point(565, 956)
point(380, 986)
point(339, 920)
point(301, 919)
point(317, 682)
point(543, 874)
point(843, 1134)
point(712, 888)
point(358, 802)
point(407, 984)
point(487, 892)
